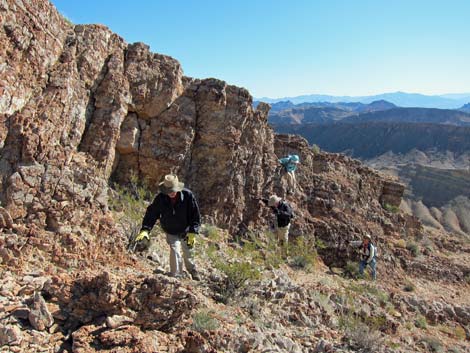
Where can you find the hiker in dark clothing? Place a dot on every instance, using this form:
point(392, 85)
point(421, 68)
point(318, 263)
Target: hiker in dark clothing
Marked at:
point(284, 214)
point(179, 216)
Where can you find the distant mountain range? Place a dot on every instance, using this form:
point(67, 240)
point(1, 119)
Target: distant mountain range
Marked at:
point(402, 99)
point(366, 140)
point(426, 147)
point(465, 108)
point(324, 113)
point(415, 115)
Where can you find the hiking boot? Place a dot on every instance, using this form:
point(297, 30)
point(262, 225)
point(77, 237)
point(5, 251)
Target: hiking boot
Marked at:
point(195, 275)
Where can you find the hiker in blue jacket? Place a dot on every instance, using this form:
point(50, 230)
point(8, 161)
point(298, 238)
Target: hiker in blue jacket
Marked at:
point(290, 164)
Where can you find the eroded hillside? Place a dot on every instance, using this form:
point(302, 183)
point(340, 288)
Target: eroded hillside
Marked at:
point(81, 109)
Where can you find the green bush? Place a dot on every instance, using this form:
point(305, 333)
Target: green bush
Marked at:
point(237, 275)
point(421, 322)
point(203, 320)
point(391, 208)
point(264, 249)
point(351, 269)
point(413, 248)
point(360, 335)
point(129, 203)
point(303, 253)
point(212, 232)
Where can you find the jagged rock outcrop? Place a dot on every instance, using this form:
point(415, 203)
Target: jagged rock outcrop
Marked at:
point(80, 109)
point(97, 109)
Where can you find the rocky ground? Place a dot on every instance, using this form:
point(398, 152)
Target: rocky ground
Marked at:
point(87, 120)
point(129, 304)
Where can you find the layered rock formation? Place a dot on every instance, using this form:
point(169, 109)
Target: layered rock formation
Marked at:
point(81, 107)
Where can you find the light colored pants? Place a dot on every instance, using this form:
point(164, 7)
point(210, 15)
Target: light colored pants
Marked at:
point(282, 235)
point(180, 252)
point(291, 182)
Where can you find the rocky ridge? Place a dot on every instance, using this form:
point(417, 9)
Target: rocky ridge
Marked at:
point(80, 109)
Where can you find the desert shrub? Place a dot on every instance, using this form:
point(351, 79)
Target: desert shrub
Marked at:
point(371, 291)
point(316, 149)
point(421, 322)
point(432, 344)
point(128, 203)
point(453, 331)
point(203, 320)
point(212, 232)
point(237, 275)
point(269, 251)
point(400, 243)
point(359, 335)
point(303, 253)
point(428, 244)
point(413, 248)
point(67, 20)
point(391, 208)
point(351, 269)
point(320, 244)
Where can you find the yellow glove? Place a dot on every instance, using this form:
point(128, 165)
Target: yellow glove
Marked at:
point(144, 234)
point(190, 239)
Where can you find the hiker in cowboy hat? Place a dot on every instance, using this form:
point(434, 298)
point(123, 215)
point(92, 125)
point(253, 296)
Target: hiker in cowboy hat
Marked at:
point(179, 216)
point(368, 254)
point(284, 214)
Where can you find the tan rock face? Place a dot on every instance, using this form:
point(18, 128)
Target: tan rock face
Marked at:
point(86, 108)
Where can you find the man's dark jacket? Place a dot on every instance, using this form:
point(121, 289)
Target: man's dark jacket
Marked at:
point(283, 213)
point(178, 219)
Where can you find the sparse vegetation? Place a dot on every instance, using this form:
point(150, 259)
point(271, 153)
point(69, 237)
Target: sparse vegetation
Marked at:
point(238, 267)
point(360, 335)
point(453, 331)
point(433, 344)
point(428, 245)
point(303, 254)
point(400, 243)
point(351, 269)
point(128, 203)
point(370, 290)
point(212, 232)
point(413, 248)
point(421, 322)
point(203, 320)
point(391, 208)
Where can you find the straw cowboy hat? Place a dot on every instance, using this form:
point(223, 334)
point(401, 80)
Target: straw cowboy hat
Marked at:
point(170, 184)
point(367, 236)
point(273, 200)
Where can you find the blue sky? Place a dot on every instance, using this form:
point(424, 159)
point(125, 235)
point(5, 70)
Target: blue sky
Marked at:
point(278, 48)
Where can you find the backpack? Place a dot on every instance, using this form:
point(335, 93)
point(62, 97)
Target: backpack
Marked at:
point(289, 212)
point(376, 251)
